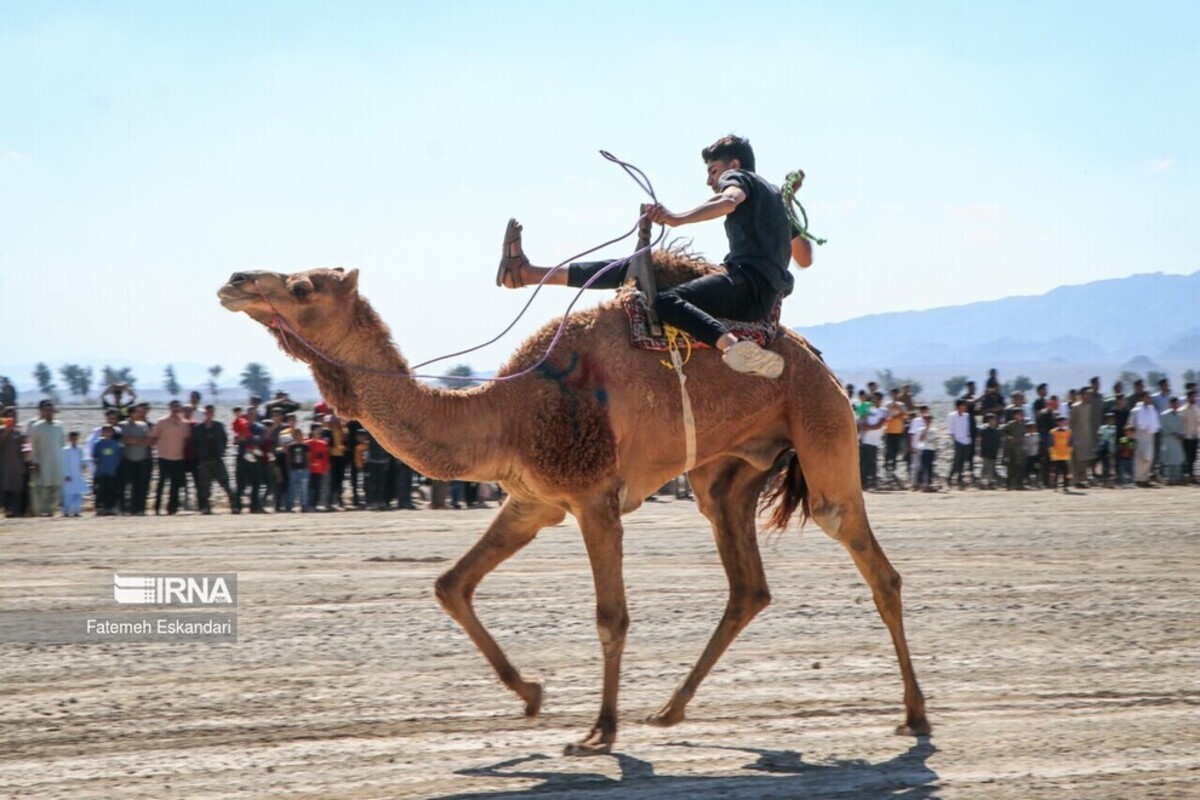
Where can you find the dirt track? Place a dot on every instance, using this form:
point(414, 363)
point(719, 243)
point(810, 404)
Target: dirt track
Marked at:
point(1055, 637)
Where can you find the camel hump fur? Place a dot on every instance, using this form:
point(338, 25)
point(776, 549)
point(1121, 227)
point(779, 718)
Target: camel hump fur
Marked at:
point(592, 431)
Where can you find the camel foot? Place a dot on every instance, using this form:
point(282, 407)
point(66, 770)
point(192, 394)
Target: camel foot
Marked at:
point(665, 717)
point(531, 692)
point(920, 727)
point(596, 743)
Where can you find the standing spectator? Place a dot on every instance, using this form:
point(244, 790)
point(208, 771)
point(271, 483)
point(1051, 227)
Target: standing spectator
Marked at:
point(973, 416)
point(906, 396)
point(1162, 401)
point(1047, 420)
point(46, 442)
point(339, 452)
point(359, 466)
point(920, 434)
point(1126, 449)
point(992, 401)
point(12, 464)
point(240, 426)
point(1060, 453)
point(1033, 449)
point(893, 431)
point(872, 440)
point(8, 394)
point(124, 398)
point(135, 463)
point(989, 450)
point(1083, 436)
point(403, 482)
point(208, 443)
point(253, 457)
point(1120, 411)
point(298, 461)
point(170, 434)
point(376, 474)
point(1172, 443)
point(1106, 447)
point(1191, 435)
point(72, 471)
point(318, 470)
point(1014, 451)
point(993, 381)
point(1146, 423)
point(1040, 401)
point(959, 426)
point(1095, 399)
point(191, 464)
point(106, 460)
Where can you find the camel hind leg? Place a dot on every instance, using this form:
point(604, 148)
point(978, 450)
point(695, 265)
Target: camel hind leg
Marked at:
point(727, 493)
point(829, 461)
point(514, 527)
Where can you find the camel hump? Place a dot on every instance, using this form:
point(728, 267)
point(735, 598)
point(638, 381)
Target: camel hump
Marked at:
point(673, 267)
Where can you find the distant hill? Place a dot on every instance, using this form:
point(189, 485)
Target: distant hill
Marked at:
point(1100, 322)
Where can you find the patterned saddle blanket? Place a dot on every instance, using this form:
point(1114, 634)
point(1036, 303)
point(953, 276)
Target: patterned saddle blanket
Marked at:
point(761, 332)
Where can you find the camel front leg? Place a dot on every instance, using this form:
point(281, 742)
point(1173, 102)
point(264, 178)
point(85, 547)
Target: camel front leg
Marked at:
point(603, 535)
point(514, 526)
point(727, 493)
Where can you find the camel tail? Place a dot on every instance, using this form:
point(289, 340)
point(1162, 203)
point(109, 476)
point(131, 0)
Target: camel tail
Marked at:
point(786, 491)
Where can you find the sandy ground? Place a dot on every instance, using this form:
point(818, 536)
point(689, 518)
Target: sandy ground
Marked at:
point(1055, 636)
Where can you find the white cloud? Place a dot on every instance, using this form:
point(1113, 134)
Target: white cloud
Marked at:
point(1162, 164)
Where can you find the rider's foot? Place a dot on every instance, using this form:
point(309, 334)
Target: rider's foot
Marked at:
point(746, 356)
point(513, 260)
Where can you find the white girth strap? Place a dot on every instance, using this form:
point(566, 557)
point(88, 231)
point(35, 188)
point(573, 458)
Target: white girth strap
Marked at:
point(689, 419)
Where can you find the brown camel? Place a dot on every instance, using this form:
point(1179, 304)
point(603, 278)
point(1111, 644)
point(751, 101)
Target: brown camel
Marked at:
point(591, 433)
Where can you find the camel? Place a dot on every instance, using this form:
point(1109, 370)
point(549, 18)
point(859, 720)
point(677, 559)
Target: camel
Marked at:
point(592, 432)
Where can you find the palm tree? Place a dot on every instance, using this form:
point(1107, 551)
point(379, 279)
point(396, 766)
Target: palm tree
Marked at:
point(256, 379)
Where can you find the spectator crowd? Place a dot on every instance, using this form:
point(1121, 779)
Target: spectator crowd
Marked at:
point(268, 460)
point(1123, 440)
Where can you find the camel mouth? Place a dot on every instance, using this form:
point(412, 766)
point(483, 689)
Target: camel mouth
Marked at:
point(233, 298)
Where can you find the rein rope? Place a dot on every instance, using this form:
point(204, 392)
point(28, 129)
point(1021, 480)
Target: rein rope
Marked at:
point(791, 185)
point(286, 331)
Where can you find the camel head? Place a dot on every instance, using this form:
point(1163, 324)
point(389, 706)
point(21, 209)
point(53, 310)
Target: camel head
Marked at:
point(320, 304)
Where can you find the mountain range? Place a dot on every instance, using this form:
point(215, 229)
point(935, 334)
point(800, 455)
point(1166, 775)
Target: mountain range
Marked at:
point(1106, 321)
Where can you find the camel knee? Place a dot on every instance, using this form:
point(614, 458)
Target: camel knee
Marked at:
point(746, 604)
point(612, 625)
point(829, 518)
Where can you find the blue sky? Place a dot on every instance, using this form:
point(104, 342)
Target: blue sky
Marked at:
point(955, 152)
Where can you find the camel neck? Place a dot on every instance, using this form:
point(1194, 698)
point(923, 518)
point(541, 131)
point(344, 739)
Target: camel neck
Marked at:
point(440, 433)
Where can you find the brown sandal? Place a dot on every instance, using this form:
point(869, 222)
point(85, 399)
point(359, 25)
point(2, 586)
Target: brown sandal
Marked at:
point(509, 273)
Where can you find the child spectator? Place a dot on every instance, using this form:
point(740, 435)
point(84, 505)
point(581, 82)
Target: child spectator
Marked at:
point(1061, 447)
point(318, 470)
point(72, 469)
point(1126, 449)
point(1033, 448)
point(377, 460)
point(106, 459)
point(362, 442)
point(989, 450)
point(920, 434)
point(298, 461)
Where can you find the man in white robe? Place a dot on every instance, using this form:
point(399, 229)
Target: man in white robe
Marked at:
point(46, 440)
point(1144, 418)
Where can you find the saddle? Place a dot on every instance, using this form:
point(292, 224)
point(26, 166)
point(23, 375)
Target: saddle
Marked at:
point(762, 332)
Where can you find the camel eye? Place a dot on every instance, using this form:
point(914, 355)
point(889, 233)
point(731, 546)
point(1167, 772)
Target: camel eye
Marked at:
point(302, 290)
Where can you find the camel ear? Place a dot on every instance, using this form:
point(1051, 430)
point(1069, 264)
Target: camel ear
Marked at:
point(350, 281)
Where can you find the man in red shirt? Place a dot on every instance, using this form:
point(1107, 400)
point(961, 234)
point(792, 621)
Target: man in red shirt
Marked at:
point(318, 470)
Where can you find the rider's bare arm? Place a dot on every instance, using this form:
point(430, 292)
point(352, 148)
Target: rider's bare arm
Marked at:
point(719, 205)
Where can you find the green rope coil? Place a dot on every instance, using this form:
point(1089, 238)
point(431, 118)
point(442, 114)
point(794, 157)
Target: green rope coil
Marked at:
point(791, 184)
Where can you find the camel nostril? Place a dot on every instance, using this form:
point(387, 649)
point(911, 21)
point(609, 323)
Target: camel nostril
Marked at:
point(237, 277)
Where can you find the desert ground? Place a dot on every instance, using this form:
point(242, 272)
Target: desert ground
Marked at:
point(1055, 637)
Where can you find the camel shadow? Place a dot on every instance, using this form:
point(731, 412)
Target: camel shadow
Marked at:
point(773, 774)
